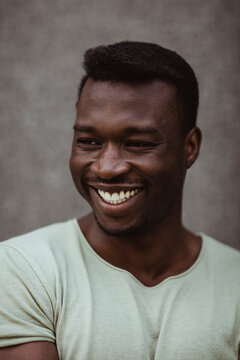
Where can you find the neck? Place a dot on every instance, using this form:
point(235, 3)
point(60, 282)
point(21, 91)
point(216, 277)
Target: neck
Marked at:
point(161, 251)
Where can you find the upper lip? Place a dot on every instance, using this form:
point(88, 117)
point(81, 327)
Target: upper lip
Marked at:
point(115, 187)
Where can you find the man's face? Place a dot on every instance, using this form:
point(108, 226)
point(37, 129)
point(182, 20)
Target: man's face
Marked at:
point(127, 156)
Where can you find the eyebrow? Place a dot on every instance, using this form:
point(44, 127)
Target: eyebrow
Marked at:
point(83, 128)
point(131, 130)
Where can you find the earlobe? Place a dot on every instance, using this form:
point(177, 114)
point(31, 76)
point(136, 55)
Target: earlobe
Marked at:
point(192, 146)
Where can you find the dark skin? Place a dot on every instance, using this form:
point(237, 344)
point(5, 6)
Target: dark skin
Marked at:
point(38, 350)
point(128, 138)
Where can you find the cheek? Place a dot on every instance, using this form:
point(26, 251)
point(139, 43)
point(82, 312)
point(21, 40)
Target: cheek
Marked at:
point(80, 166)
point(78, 163)
point(167, 172)
point(77, 167)
point(74, 167)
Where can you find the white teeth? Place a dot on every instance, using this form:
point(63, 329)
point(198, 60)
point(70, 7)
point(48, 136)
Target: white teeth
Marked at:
point(121, 195)
point(117, 198)
point(106, 195)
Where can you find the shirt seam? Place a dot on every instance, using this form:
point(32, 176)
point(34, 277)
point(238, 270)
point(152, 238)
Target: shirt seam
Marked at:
point(185, 273)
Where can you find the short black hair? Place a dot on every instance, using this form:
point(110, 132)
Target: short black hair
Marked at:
point(139, 62)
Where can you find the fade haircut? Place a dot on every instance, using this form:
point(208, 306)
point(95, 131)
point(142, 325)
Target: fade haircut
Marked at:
point(140, 62)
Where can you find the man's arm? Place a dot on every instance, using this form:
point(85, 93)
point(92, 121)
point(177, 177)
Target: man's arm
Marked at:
point(40, 350)
point(27, 312)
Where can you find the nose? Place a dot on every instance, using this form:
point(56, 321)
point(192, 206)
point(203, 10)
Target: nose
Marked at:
point(109, 163)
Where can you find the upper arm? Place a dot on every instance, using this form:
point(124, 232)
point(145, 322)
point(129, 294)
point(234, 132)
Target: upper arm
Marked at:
point(27, 311)
point(41, 350)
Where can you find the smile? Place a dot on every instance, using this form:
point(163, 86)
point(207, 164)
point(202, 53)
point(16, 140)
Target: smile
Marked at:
point(118, 197)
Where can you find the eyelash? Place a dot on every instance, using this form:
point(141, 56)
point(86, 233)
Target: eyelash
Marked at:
point(139, 144)
point(88, 142)
point(93, 144)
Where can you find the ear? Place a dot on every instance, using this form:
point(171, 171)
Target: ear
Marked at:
point(192, 146)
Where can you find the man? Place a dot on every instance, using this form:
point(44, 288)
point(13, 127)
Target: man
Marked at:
point(127, 281)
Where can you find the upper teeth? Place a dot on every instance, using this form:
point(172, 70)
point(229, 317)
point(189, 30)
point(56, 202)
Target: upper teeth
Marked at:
point(117, 198)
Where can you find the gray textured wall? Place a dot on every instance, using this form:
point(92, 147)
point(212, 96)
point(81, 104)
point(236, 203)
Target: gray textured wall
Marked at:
point(42, 43)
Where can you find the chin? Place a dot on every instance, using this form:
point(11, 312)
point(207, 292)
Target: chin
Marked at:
point(117, 229)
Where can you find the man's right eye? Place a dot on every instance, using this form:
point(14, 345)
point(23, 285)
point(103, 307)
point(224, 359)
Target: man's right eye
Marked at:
point(87, 143)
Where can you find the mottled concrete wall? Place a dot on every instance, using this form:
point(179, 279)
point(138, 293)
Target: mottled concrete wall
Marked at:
point(42, 43)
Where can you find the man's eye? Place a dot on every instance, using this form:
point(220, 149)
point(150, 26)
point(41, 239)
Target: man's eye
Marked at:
point(87, 143)
point(139, 144)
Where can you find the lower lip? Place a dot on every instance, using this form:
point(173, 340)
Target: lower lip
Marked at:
point(121, 209)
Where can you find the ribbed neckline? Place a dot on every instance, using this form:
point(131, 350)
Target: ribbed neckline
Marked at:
point(106, 263)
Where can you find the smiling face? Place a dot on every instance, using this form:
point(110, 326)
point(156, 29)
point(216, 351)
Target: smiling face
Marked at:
point(128, 159)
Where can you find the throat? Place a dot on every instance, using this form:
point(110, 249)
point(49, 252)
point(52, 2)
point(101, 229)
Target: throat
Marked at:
point(150, 261)
point(153, 271)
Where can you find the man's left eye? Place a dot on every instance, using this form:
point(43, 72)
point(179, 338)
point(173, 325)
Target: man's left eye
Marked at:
point(87, 143)
point(139, 144)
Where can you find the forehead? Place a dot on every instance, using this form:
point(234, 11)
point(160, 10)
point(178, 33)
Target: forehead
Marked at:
point(142, 102)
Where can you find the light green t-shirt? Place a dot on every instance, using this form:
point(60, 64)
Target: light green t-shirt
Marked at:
point(54, 287)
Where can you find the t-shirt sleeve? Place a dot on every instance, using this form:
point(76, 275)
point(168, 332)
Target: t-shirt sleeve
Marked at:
point(26, 309)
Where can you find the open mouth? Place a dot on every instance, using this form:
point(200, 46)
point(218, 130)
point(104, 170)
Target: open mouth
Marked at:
point(117, 197)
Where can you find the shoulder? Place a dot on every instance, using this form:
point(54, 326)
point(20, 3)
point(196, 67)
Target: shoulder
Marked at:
point(222, 259)
point(44, 251)
point(46, 239)
point(223, 251)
